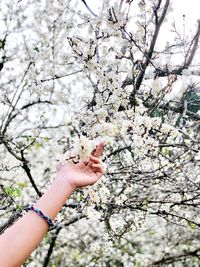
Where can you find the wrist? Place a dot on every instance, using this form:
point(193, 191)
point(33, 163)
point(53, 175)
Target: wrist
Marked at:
point(55, 197)
point(65, 182)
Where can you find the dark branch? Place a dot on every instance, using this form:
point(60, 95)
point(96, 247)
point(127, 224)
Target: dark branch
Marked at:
point(53, 240)
point(28, 172)
point(88, 8)
point(149, 54)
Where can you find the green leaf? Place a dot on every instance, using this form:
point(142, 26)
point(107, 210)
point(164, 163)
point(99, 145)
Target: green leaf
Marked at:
point(38, 145)
point(13, 192)
point(21, 184)
point(165, 151)
point(8, 190)
point(193, 101)
point(19, 206)
point(156, 113)
point(192, 225)
point(17, 192)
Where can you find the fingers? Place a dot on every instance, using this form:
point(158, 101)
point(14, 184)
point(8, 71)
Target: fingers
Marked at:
point(98, 167)
point(98, 151)
point(94, 159)
point(96, 164)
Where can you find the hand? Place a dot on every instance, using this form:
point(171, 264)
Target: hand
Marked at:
point(83, 173)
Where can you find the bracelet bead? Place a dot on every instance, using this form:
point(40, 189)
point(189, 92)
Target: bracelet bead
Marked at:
point(47, 219)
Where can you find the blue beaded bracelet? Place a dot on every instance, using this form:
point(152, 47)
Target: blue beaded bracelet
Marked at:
point(47, 219)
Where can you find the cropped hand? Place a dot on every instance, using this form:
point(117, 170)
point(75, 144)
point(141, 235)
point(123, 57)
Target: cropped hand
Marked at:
point(83, 173)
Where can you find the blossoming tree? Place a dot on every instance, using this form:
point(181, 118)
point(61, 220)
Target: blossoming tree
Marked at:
point(70, 76)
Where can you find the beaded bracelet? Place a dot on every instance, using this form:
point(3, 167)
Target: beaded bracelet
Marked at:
point(42, 215)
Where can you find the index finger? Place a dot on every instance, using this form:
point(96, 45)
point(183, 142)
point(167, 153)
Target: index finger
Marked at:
point(98, 151)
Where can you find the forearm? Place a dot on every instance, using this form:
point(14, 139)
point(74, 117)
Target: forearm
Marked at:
point(17, 243)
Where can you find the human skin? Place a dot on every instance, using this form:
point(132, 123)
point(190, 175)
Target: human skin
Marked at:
point(18, 241)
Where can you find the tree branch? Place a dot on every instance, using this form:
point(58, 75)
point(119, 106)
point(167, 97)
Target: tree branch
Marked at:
point(149, 54)
point(88, 8)
point(55, 236)
point(28, 172)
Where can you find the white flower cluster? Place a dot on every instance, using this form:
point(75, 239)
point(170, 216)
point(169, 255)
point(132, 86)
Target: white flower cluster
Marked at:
point(82, 147)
